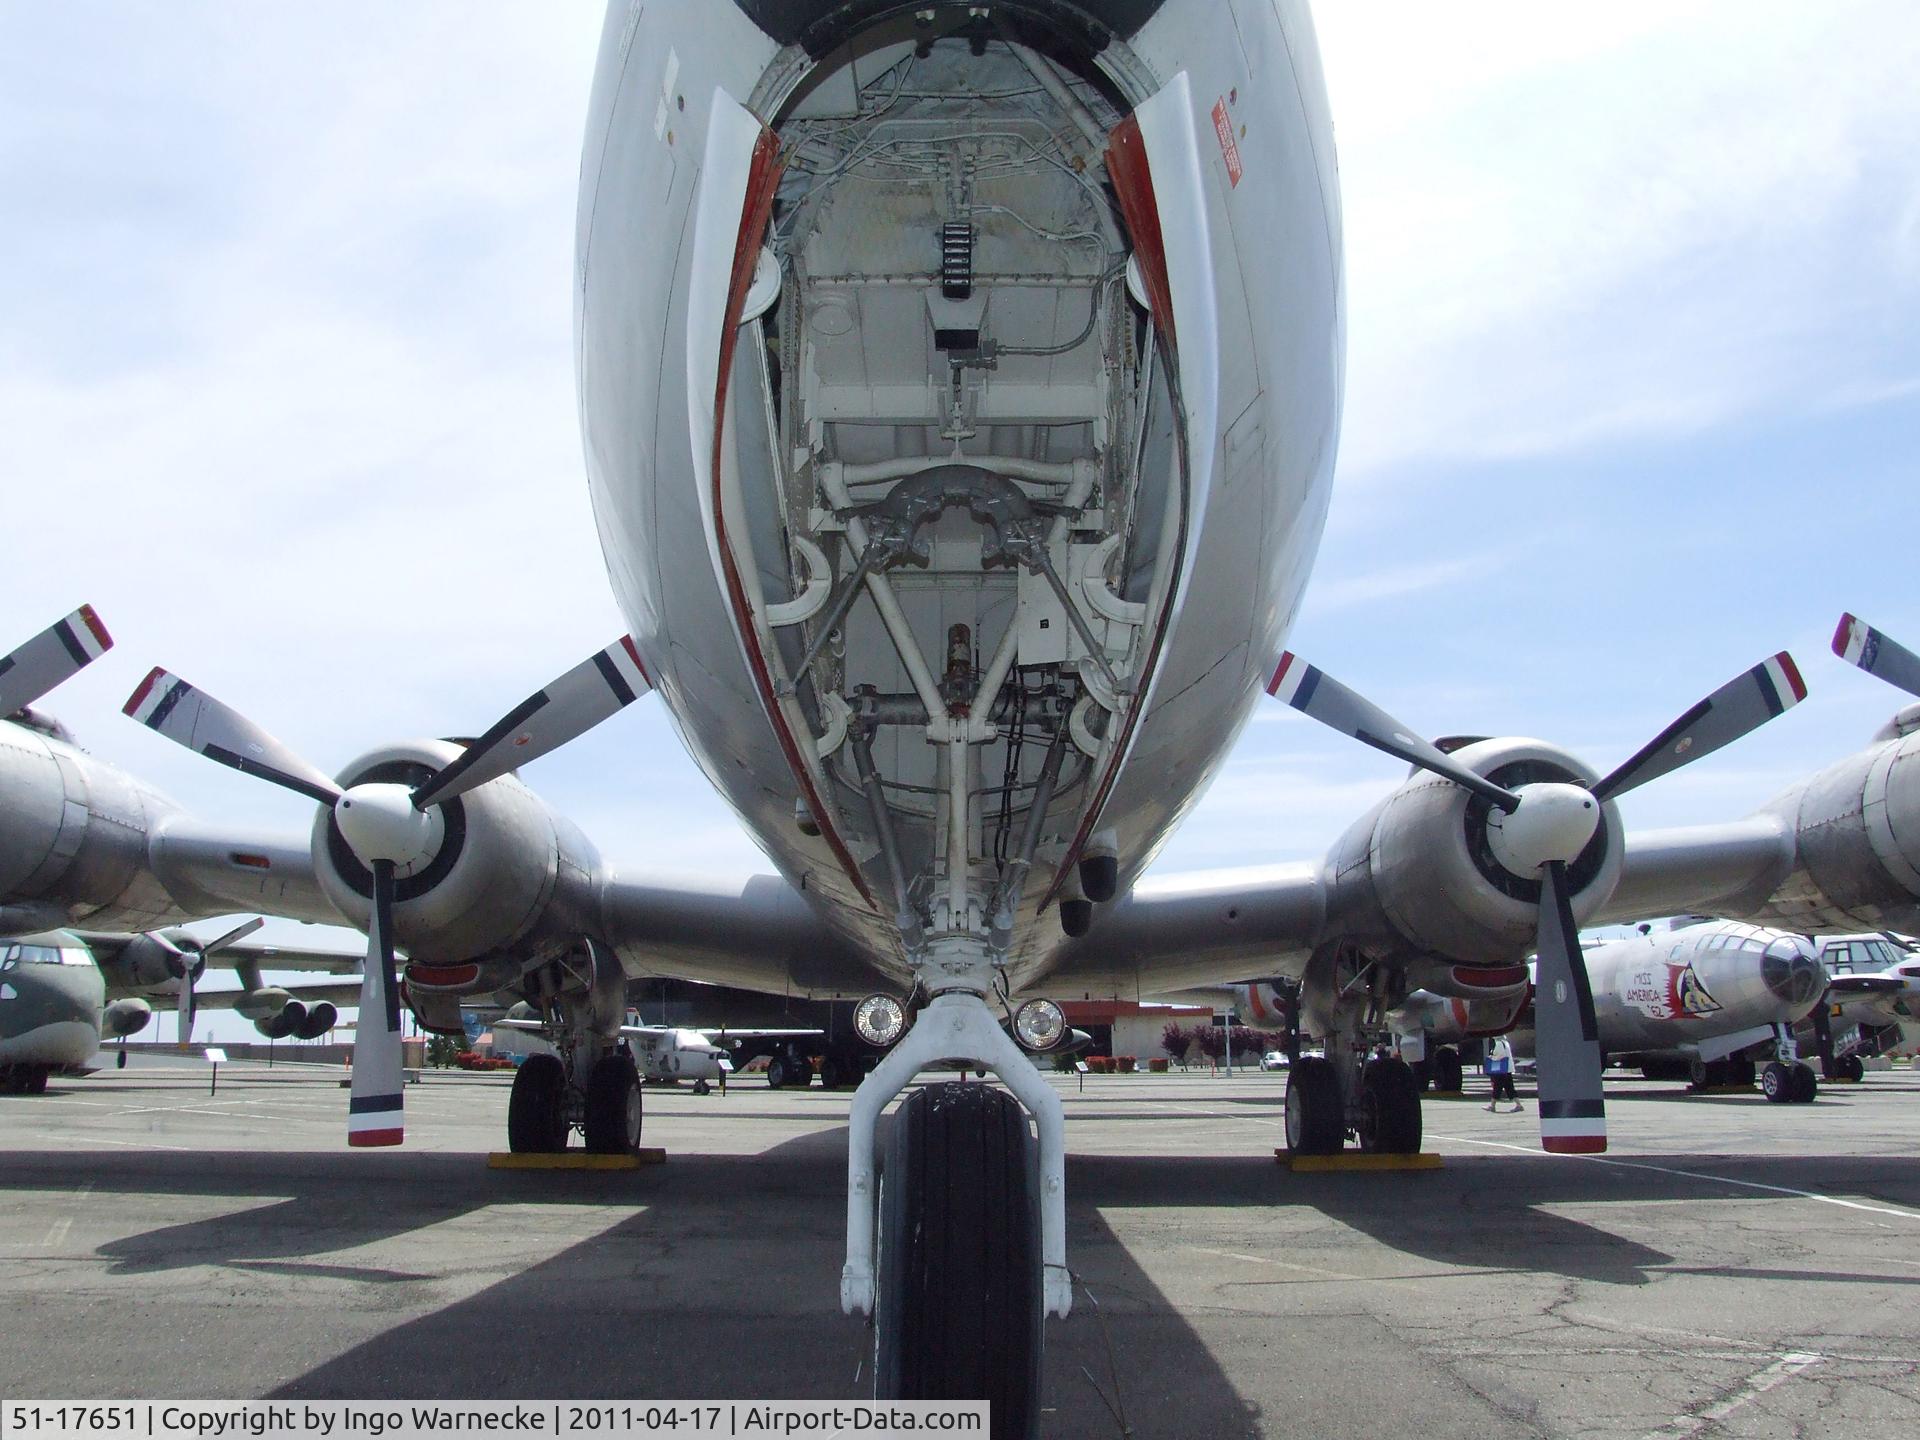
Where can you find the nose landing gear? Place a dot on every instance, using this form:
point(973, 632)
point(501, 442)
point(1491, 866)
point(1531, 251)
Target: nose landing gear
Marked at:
point(957, 1233)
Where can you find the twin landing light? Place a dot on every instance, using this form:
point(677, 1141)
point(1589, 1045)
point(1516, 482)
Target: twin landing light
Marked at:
point(1537, 831)
point(394, 830)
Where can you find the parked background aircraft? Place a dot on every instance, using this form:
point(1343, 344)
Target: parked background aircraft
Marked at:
point(64, 993)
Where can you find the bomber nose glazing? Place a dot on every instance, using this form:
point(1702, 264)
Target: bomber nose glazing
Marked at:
point(1792, 973)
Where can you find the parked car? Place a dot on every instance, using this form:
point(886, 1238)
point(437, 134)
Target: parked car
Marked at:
point(1274, 1060)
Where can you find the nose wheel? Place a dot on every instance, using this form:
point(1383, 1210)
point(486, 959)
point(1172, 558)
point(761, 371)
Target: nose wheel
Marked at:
point(958, 1273)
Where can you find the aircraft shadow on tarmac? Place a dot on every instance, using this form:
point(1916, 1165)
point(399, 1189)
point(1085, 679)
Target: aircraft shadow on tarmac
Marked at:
point(725, 1283)
point(723, 1280)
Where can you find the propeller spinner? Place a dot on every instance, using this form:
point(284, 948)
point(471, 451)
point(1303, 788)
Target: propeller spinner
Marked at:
point(1541, 829)
point(393, 830)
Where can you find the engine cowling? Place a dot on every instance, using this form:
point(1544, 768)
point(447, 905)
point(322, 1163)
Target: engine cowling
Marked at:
point(504, 867)
point(321, 1018)
point(125, 1017)
point(1421, 862)
point(154, 962)
point(1857, 828)
point(73, 831)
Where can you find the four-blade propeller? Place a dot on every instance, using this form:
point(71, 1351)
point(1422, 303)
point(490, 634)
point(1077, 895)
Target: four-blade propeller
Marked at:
point(1540, 829)
point(393, 830)
point(187, 959)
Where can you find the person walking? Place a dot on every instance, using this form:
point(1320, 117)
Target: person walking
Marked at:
point(1500, 1069)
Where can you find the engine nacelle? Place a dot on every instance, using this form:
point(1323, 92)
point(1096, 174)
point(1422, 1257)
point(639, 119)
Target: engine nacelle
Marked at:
point(505, 865)
point(320, 1019)
point(125, 1017)
point(151, 963)
point(1857, 828)
point(73, 831)
point(282, 1022)
point(1422, 863)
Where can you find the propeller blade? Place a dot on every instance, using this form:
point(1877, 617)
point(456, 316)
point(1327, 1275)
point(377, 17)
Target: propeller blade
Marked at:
point(1743, 704)
point(62, 650)
point(239, 932)
point(193, 718)
point(1316, 694)
point(187, 1004)
point(1858, 643)
point(1566, 1046)
point(591, 692)
point(375, 1108)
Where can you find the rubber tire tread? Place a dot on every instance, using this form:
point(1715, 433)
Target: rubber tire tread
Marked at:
point(1324, 1131)
point(606, 1117)
point(1805, 1085)
point(534, 1121)
point(959, 1279)
point(1391, 1081)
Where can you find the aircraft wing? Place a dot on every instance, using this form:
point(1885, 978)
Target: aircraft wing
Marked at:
point(286, 957)
point(337, 993)
point(1725, 869)
point(218, 870)
point(1865, 985)
point(1208, 928)
point(730, 1032)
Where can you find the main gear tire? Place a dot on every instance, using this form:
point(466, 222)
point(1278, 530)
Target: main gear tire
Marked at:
point(537, 1107)
point(1316, 1118)
point(615, 1110)
point(1389, 1109)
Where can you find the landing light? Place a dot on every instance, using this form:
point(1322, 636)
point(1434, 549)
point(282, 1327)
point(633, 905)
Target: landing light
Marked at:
point(879, 1019)
point(1040, 1024)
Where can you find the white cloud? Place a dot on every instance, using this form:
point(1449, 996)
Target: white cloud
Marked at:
point(1567, 224)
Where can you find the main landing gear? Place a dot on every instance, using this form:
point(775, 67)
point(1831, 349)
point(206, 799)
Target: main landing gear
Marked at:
point(956, 1225)
point(1376, 1100)
point(591, 1080)
point(546, 1105)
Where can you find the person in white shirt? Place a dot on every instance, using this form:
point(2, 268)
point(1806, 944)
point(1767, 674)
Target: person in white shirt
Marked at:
point(1500, 1067)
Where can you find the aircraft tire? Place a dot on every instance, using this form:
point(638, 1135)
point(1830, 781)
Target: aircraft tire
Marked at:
point(1389, 1108)
point(1447, 1074)
point(1803, 1085)
point(958, 1277)
point(783, 1071)
point(1316, 1119)
point(1852, 1067)
point(536, 1108)
point(1776, 1082)
point(833, 1072)
point(614, 1107)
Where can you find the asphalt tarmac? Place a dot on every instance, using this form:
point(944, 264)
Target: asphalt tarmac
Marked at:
point(1729, 1268)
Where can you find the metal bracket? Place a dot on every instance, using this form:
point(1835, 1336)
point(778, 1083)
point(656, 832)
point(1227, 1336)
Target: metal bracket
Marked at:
point(956, 1026)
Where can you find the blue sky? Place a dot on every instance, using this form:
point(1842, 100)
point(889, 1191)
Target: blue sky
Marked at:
point(1634, 388)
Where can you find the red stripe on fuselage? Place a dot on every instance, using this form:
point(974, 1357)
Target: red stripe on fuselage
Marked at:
point(1133, 185)
point(763, 178)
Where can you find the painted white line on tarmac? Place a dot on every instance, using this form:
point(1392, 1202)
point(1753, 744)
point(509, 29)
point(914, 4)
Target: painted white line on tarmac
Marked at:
point(1778, 1373)
point(1692, 1175)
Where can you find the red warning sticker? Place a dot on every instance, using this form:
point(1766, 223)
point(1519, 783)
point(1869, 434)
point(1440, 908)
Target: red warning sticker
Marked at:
point(1229, 150)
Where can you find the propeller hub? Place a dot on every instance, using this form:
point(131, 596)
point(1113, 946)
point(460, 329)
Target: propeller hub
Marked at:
point(378, 822)
point(1553, 821)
